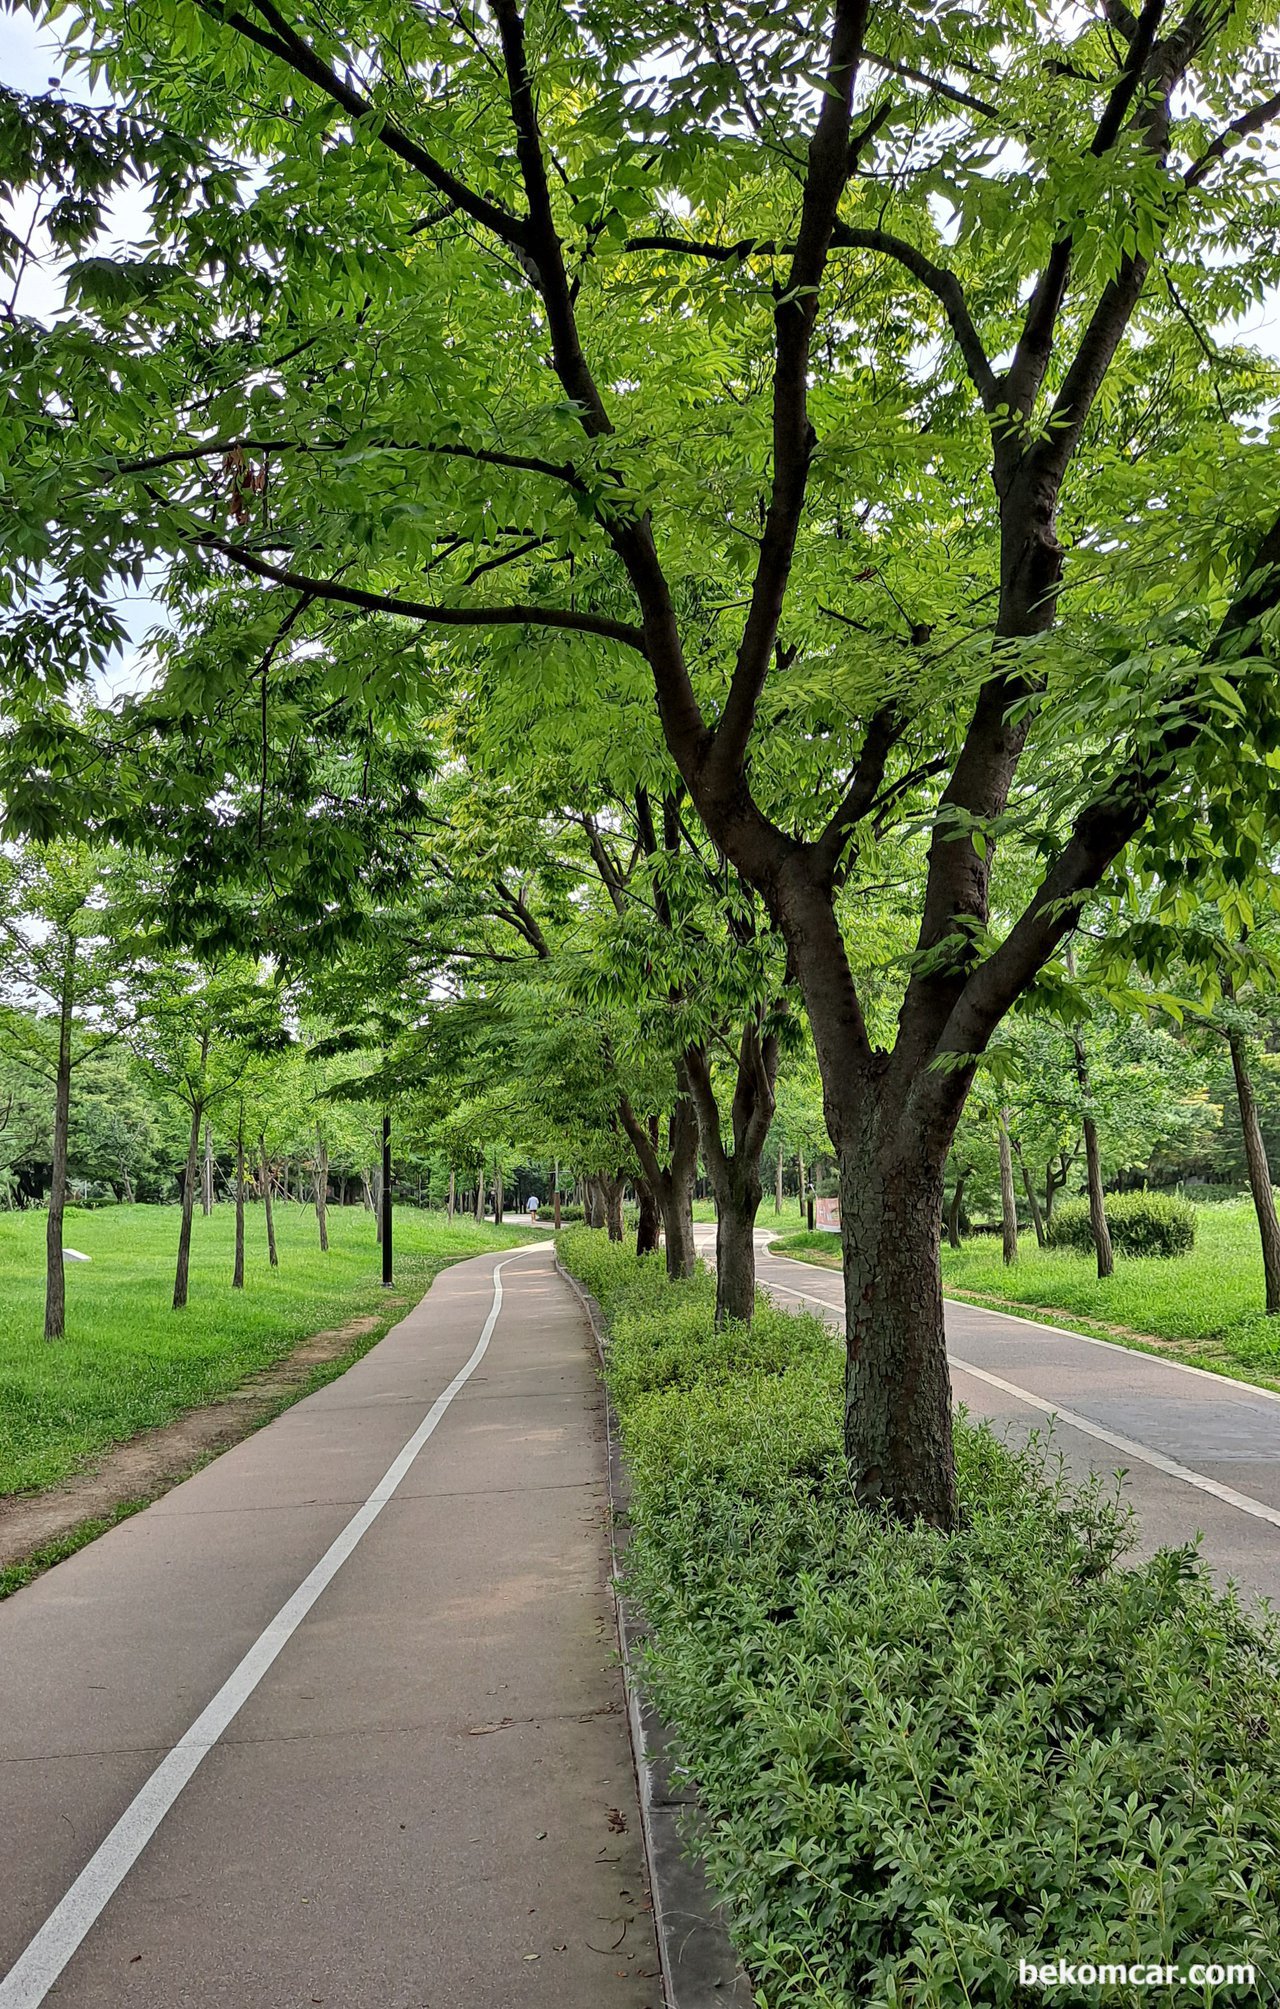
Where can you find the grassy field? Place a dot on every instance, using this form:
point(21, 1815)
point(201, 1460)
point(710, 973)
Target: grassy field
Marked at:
point(129, 1361)
point(1206, 1306)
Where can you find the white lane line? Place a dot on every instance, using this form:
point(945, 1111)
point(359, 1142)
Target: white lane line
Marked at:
point(1089, 1339)
point(1244, 1501)
point(38, 1967)
point(1131, 1449)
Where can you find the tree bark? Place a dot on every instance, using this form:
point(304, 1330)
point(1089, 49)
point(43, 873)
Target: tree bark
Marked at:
point(55, 1280)
point(322, 1188)
point(237, 1274)
point(1255, 1152)
point(649, 1226)
point(206, 1177)
point(1008, 1199)
point(273, 1254)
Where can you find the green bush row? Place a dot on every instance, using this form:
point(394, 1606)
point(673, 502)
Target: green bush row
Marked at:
point(1141, 1224)
point(924, 1758)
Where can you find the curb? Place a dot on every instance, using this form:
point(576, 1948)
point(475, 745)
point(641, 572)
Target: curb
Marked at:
point(699, 1967)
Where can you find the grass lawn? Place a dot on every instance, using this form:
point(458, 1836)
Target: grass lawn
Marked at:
point(129, 1361)
point(1206, 1307)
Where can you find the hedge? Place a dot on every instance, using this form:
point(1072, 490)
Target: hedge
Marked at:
point(923, 1758)
point(1141, 1224)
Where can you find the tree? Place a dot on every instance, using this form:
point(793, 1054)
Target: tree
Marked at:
point(56, 953)
point(198, 1033)
point(726, 218)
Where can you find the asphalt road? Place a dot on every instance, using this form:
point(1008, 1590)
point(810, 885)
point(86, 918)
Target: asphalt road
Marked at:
point(339, 1721)
point(1201, 1453)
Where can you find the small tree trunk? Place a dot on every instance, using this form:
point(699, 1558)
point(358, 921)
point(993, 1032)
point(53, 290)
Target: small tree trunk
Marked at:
point(499, 1196)
point(800, 1174)
point(373, 1187)
point(127, 1183)
point(182, 1275)
point(206, 1180)
point(1097, 1201)
point(955, 1212)
point(777, 1184)
point(273, 1254)
point(452, 1194)
point(55, 1281)
point(480, 1195)
point(1008, 1200)
point(366, 1192)
point(1255, 1151)
point(1033, 1198)
point(237, 1274)
point(613, 1191)
point(649, 1227)
point(322, 1188)
point(738, 1197)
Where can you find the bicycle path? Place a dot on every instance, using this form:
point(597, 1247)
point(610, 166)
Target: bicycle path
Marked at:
point(1200, 1452)
point(339, 1721)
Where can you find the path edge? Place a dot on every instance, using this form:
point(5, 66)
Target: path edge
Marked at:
point(700, 1969)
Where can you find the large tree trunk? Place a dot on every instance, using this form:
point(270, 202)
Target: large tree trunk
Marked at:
point(55, 1276)
point(206, 1177)
point(237, 1274)
point(273, 1254)
point(897, 1383)
point(1255, 1152)
point(649, 1225)
point(1008, 1199)
point(322, 1188)
point(182, 1275)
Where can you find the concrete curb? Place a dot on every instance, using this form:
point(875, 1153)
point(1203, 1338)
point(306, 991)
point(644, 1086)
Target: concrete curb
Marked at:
point(699, 1967)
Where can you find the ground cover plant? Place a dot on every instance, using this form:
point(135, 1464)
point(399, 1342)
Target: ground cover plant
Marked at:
point(924, 1757)
point(129, 1362)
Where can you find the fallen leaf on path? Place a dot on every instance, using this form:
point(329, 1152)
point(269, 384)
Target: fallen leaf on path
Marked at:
point(617, 1822)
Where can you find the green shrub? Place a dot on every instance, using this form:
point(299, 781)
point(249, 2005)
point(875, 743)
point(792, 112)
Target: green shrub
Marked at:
point(1141, 1224)
point(923, 1758)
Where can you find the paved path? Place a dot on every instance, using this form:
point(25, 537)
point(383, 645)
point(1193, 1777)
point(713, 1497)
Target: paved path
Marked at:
point(1201, 1452)
point(426, 1800)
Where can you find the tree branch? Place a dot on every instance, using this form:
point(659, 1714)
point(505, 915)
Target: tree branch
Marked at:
point(284, 42)
point(945, 287)
point(795, 316)
point(1248, 122)
point(520, 616)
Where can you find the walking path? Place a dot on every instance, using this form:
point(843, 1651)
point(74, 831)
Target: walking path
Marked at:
point(1201, 1453)
point(338, 1721)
